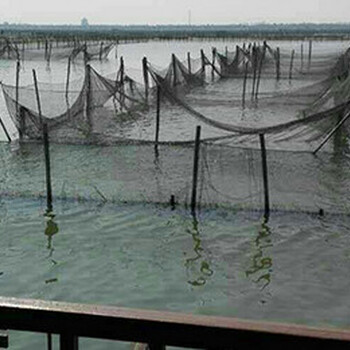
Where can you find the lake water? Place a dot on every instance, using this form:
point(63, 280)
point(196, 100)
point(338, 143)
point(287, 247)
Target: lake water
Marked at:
point(115, 240)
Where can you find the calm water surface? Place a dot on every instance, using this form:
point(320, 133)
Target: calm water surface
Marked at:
point(111, 243)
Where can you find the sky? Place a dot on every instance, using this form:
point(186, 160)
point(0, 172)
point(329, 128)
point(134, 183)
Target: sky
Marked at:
point(173, 11)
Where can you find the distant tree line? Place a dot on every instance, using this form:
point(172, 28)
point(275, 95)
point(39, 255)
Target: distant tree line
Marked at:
point(145, 32)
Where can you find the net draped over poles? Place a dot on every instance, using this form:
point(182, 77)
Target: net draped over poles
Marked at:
point(48, 50)
point(93, 110)
point(71, 117)
point(115, 109)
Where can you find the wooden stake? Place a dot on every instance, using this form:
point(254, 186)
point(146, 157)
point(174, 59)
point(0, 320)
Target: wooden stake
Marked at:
point(22, 123)
point(302, 56)
point(265, 177)
point(203, 61)
point(23, 49)
point(245, 83)
point(68, 77)
point(260, 63)
point(189, 62)
point(213, 63)
point(37, 95)
point(87, 98)
point(46, 147)
point(49, 53)
point(195, 170)
point(47, 168)
point(157, 119)
point(278, 64)
point(291, 65)
point(173, 61)
point(18, 67)
point(145, 76)
point(101, 50)
point(122, 70)
point(254, 64)
point(310, 53)
point(172, 202)
point(46, 49)
point(122, 79)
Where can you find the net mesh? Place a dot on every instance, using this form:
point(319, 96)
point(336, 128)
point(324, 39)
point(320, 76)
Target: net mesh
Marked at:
point(115, 109)
point(48, 50)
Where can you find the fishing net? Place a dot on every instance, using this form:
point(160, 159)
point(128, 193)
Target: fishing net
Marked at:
point(227, 177)
point(8, 50)
point(48, 50)
point(117, 110)
point(261, 60)
point(72, 115)
point(183, 73)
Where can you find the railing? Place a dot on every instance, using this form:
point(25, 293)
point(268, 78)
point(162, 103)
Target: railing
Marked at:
point(158, 329)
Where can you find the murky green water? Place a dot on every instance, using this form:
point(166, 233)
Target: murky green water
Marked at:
point(114, 240)
point(142, 256)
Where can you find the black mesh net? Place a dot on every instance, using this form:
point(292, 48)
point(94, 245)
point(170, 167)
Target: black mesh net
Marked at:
point(115, 109)
point(50, 50)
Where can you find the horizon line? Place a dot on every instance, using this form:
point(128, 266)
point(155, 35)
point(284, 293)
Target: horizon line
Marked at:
point(6, 23)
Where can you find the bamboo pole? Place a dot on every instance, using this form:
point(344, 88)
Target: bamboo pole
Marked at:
point(5, 130)
point(47, 168)
point(291, 65)
point(145, 76)
point(261, 60)
point(122, 70)
point(278, 63)
point(23, 50)
point(265, 178)
point(46, 147)
point(122, 80)
point(195, 170)
point(310, 54)
point(213, 62)
point(49, 53)
point(173, 61)
point(22, 123)
point(332, 132)
point(189, 66)
point(254, 64)
point(302, 56)
point(245, 83)
point(87, 98)
point(203, 62)
point(68, 77)
point(18, 67)
point(46, 49)
point(157, 119)
point(101, 50)
point(37, 95)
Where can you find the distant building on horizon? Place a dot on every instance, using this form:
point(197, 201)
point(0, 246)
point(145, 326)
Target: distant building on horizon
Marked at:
point(84, 22)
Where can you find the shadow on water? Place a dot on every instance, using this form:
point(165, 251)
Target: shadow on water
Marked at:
point(260, 270)
point(197, 264)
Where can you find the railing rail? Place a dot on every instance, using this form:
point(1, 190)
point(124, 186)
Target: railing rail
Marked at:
point(159, 329)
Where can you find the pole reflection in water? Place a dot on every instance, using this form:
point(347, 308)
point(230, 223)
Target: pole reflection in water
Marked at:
point(197, 265)
point(261, 268)
point(50, 230)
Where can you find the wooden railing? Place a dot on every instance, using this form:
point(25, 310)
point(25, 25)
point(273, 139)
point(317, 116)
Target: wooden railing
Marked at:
point(158, 329)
